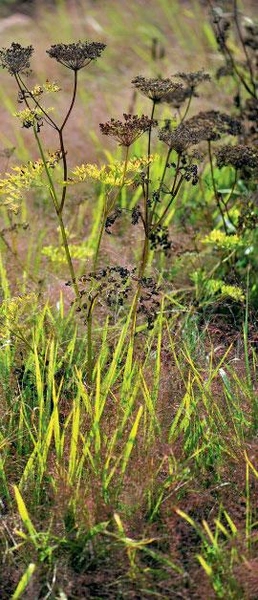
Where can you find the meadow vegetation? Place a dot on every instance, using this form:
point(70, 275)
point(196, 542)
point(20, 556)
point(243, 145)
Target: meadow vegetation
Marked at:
point(129, 299)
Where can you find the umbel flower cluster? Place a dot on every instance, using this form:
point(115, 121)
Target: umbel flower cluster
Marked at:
point(190, 81)
point(16, 59)
point(205, 126)
point(239, 156)
point(111, 174)
point(127, 132)
point(114, 286)
point(110, 285)
point(156, 89)
point(171, 91)
point(75, 56)
point(193, 78)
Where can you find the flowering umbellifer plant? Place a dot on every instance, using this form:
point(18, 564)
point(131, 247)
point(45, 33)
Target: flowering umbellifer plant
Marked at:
point(75, 56)
point(158, 187)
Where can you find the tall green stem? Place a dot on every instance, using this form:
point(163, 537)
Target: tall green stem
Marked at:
point(173, 193)
point(100, 235)
point(215, 189)
point(89, 341)
point(141, 271)
point(147, 219)
point(146, 197)
point(144, 258)
point(108, 208)
point(160, 186)
point(22, 86)
point(57, 205)
point(187, 108)
point(228, 54)
point(59, 217)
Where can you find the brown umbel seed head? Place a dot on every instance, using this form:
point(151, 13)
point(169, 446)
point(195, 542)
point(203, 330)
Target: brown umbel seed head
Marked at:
point(191, 81)
point(155, 89)
point(193, 78)
point(16, 59)
point(128, 131)
point(239, 156)
point(205, 126)
point(77, 55)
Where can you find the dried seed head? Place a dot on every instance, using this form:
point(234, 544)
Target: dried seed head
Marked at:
point(111, 219)
point(16, 59)
point(77, 55)
point(251, 109)
point(128, 131)
point(155, 89)
point(149, 301)
point(239, 156)
point(209, 126)
point(250, 113)
point(159, 239)
point(181, 138)
point(193, 78)
point(213, 124)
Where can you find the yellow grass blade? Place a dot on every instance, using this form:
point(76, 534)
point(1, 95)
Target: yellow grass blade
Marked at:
point(207, 568)
point(25, 517)
point(131, 440)
point(25, 579)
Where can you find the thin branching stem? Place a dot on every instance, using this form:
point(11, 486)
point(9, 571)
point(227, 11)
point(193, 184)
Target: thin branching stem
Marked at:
point(146, 220)
point(18, 334)
point(58, 205)
point(59, 216)
point(108, 208)
point(18, 260)
point(75, 85)
point(216, 195)
point(187, 107)
point(65, 170)
point(226, 51)
point(172, 198)
point(146, 198)
point(225, 203)
point(160, 185)
point(100, 235)
point(177, 182)
point(248, 60)
point(89, 339)
point(61, 139)
point(22, 86)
